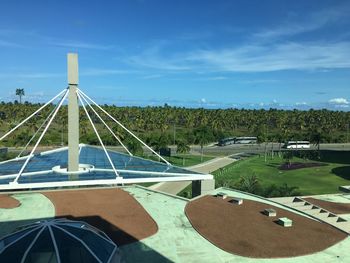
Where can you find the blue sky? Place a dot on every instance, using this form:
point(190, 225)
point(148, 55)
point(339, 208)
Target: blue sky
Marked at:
point(213, 54)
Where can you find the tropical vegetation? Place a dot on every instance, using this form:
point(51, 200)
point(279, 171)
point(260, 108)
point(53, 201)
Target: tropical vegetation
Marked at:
point(256, 176)
point(161, 126)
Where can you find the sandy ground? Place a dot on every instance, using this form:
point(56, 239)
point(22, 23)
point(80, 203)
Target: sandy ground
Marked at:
point(245, 231)
point(113, 211)
point(7, 201)
point(336, 208)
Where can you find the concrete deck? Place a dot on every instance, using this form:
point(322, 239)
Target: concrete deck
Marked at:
point(176, 240)
point(338, 198)
point(33, 206)
point(206, 167)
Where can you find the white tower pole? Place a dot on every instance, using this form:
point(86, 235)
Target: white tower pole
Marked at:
point(73, 113)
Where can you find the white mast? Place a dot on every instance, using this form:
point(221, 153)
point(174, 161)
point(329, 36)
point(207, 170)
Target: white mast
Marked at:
point(73, 113)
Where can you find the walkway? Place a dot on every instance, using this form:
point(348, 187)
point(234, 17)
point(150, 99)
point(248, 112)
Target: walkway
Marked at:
point(206, 167)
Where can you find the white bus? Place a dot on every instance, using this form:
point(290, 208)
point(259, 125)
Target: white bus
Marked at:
point(246, 140)
point(297, 145)
point(237, 140)
point(226, 141)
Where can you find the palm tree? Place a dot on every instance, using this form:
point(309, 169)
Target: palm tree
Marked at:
point(315, 138)
point(183, 147)
point(20, 93)
point(249, 184)
point(202, 138)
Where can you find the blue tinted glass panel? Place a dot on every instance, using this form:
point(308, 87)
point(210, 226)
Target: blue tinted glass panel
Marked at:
point(102, 248)
point(42, 250)
point(71, 250)
point(15, 252)
point(88, 155)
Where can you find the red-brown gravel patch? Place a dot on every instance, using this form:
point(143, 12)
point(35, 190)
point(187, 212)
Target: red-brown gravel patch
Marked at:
point(245, 231)
point(336, 208)
point(113, 211)
point(6, 201)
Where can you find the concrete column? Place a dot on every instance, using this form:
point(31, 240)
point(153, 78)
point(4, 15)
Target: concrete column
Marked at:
point(73, 113)
point(202, 187)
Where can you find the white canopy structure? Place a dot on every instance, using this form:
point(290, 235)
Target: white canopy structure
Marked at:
point(70, 166)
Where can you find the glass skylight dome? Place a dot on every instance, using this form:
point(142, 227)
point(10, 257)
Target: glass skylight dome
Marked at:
point(56, 241)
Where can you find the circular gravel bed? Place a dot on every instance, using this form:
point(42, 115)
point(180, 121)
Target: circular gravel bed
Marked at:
point(113, 211)
point(6, 201)
point(244, 230)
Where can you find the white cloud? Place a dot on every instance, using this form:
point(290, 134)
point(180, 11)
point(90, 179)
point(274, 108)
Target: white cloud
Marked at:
point(103, 71)
point(251, 58)
point(263, 58)
point(153, 76)
point(217, 78)
point(312, 22)
point(4, 43)
point(303, 103)
point(37, 75)
point(79, 44)
point(203, 100)
point(339, 101)
point(269, 50)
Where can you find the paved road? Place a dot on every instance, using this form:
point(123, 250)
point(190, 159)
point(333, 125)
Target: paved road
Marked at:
point(206, 167)
point(248, 148)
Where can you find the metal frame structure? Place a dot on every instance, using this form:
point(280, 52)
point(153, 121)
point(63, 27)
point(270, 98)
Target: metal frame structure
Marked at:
point(64, 226)
point(77, 95)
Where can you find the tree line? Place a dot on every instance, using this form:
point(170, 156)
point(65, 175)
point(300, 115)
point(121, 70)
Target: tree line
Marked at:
point(165, 125)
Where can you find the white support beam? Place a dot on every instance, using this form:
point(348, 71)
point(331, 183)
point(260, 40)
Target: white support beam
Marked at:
point(121, 125)
point(33, 114)
point(110, 130)
point(37, 131)
point(98, 136)
point(73, 113)
point(39, 140)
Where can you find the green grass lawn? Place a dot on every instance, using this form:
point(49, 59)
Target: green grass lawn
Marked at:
point(314, 180)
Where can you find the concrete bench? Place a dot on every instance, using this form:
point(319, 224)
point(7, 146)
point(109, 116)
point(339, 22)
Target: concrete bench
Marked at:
point(237, 201)
point(285, 222)
point(270, 212)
